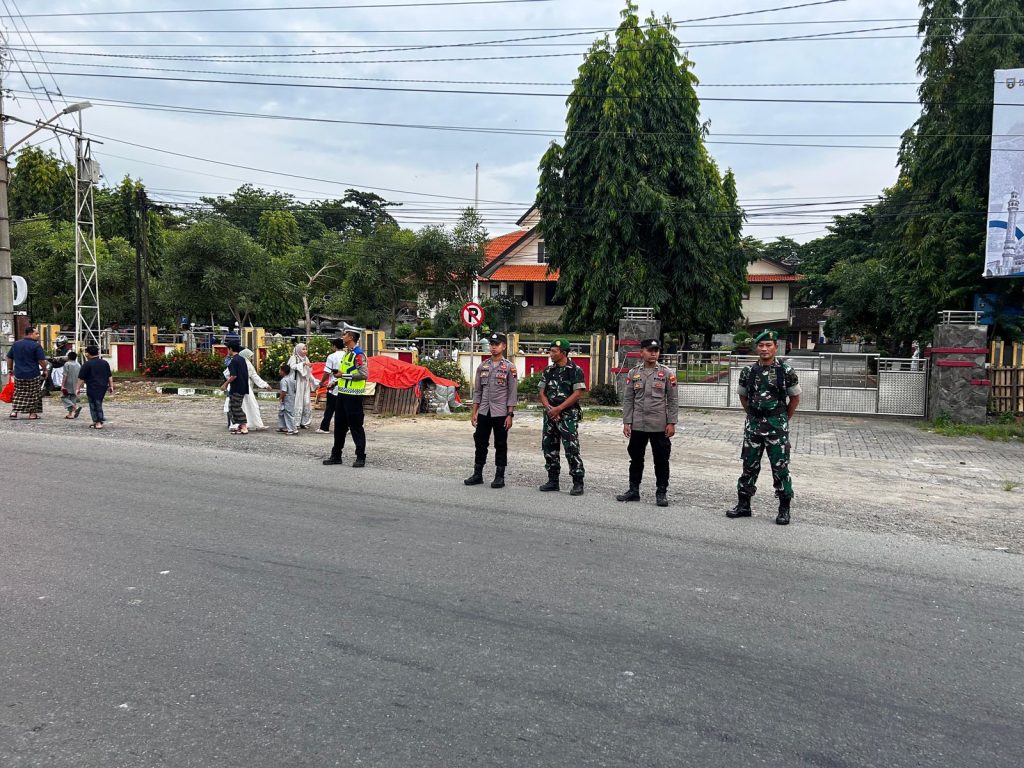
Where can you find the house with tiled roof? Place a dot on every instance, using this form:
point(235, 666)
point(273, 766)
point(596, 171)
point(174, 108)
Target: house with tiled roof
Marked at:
point(516, 264)
point(771, 286)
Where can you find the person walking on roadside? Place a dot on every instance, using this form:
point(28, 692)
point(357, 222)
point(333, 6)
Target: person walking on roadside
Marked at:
point(67, 388)
point(98, 380)
point(27, 364)
point(250, 404)
point(561, 387)
point(495, 395)
point(328, 380)
point(770, 393)
point(650, 411)
point(237, 387)
point(352, 375)
point(286, 398)
point(302, 370)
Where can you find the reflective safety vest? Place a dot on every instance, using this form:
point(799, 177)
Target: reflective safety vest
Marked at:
point(349, 364)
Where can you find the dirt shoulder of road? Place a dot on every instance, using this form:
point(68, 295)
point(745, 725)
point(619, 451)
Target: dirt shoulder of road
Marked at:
point(953, 490)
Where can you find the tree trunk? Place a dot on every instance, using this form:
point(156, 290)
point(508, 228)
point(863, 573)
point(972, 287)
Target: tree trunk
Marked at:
point(305, 310)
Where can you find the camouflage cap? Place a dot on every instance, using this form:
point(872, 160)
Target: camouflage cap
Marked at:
point(562, 344)
point(767, 335)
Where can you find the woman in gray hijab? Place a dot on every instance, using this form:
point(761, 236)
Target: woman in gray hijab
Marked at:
point(305, 384)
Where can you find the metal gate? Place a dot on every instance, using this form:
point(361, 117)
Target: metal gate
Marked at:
point(831, 382)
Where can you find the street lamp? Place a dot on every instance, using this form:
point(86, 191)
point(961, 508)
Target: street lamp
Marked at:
point(6, 283)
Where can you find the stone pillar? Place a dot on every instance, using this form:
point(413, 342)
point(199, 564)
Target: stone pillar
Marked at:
point(958, 380)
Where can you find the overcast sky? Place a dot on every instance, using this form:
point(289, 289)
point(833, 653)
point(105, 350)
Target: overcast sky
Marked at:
point(420, 167)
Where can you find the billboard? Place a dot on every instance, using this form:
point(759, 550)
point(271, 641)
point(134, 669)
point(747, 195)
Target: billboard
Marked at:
point(1004, 248)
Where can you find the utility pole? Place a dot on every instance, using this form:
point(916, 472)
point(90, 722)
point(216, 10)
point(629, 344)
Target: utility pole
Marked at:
point(6, 281)
point(141, 276)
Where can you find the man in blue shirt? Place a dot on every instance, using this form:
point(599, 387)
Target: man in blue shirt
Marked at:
point(27, 362)
point(237, 387)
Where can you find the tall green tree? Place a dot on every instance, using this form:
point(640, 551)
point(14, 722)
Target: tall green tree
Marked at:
point(217, 267)
point(41, 184)
point(634, 211)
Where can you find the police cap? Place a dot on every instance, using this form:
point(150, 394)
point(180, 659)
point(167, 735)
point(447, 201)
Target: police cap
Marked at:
point(497, 338)
point(650, 344)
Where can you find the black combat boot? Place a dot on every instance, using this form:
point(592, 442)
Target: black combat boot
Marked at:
point(499, 478)
point(359, 462)
point(477, 477)
point(742, 509)
point(633, 494)
point(661, 497)
point(577, 488)
point(783, 517)
point(551, 484)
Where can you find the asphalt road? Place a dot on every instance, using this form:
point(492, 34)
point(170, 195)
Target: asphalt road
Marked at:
point(163, 605)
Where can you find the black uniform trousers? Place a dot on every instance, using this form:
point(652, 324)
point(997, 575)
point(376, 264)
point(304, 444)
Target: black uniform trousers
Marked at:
point(348, 417)
point(482, 437)
point(329, 409)
point(661, 447)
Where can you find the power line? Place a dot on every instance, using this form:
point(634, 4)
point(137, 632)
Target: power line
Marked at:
point(851, 34)
point(464, 92)
point(136, 68)
point(162, 11)
point(527, 132)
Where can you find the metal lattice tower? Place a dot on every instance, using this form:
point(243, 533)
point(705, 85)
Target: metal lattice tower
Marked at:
point(87, 290)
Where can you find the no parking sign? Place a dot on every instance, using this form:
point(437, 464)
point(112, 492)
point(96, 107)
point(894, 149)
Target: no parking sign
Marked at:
point(472, 315)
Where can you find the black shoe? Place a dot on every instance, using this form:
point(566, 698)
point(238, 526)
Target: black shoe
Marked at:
point(359, 462)
point(332, 460)
point(783, 517)
point(661, 497)
point(551, 484)
point(499, 478)
point(742, 509)
point(577, 488)
point(633, 494)
point(477, 478)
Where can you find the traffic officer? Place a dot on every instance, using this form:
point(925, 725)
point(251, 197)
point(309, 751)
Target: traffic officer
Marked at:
point(561, 387)
point(495, 394)
point(770, 393)
point(352, 374)
point(650, 410)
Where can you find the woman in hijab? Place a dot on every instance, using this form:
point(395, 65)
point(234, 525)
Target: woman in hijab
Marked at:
point(302, 370)
point(250, 404)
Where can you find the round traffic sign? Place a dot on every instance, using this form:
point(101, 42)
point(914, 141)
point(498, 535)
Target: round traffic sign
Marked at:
point(472, 315)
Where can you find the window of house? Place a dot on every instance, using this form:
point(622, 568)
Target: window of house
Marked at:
point(746, 294)
point(542, 254)
point(549, 293)
point(767, 292)
point(495, 290)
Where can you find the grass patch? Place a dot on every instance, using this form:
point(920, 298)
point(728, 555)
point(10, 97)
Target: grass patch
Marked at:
point(1003, 431)
point(1010, 485)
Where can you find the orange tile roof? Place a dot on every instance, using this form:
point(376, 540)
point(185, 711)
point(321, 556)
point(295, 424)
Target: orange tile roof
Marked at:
point(502, 243)
point(532, 273)
point(773, 278)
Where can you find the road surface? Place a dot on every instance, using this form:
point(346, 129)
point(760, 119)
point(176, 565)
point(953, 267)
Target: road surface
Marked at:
point(168, 605)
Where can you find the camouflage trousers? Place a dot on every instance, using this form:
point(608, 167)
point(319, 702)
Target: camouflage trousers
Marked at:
point(771, 435)
point(564, 432)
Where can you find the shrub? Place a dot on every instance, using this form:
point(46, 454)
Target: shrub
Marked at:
point(403, 331)
point(604, 394)
point(550, 329)
point(278, 353)
point(426, 328)
point(448, 369)
point(742, 339)
point(184, 365)
point(530, 385)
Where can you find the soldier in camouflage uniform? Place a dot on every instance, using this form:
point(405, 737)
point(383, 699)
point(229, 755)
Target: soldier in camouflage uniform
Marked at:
point(770, 393)
point(561, 387)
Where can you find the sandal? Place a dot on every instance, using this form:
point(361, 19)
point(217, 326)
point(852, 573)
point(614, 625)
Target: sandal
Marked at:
point(99, 426)
point(14, 415)
point(33, 417)
point(69, 416)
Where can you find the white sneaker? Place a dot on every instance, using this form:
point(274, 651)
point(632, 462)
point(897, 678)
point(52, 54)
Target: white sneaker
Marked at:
point(323, 431)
